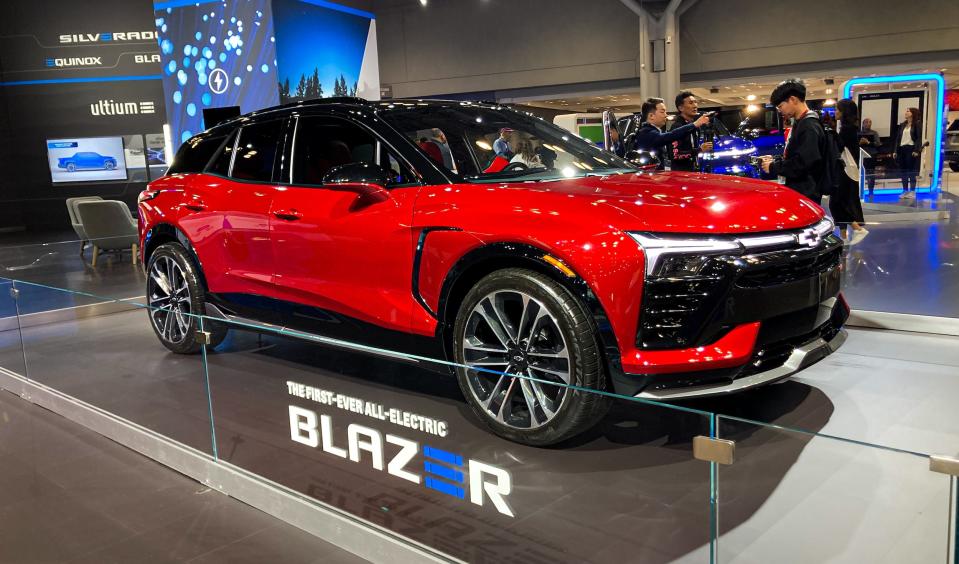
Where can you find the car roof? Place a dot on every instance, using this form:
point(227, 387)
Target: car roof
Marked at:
point(349, 102)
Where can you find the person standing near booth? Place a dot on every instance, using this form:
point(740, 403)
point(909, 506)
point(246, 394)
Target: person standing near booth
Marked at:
point(803, 166)
point(844, 203)
point(907, 148)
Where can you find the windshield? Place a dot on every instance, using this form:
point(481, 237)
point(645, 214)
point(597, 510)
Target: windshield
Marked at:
point(484, 144)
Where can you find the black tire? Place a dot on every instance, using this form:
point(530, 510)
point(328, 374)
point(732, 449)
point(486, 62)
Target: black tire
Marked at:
point(568, 320)
point(110, 165)
point(178, 332)
point(71, 167)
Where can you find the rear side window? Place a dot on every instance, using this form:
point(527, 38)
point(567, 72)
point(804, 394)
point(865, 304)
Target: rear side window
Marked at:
point(196, 153)
point(256, 151)
point(221, 164)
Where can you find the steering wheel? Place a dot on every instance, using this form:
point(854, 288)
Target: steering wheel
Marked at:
point(515, 166)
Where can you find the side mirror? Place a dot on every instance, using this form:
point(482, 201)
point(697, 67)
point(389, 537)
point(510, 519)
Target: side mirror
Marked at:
point(646, 161)
point(366, 179)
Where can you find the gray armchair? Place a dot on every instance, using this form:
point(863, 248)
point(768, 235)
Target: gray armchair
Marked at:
point(109, 226)
point(75, 219)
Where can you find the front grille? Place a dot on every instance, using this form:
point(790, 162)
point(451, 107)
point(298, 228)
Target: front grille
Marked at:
point(671, 306)
point(786, 266)
point(689, 311)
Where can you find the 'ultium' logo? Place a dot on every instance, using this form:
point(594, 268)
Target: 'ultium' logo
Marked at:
point(113, 108)
point(74, 62)
point(118, 36)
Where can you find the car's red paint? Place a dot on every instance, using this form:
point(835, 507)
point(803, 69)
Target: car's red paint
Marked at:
point(355, 257)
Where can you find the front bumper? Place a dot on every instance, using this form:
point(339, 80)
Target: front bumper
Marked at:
point(742, 322)
point(798, 356)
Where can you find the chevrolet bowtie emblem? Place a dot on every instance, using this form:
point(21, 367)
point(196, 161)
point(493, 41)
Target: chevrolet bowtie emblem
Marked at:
point(809, 238)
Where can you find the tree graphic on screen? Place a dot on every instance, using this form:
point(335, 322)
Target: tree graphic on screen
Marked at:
point(309, 88)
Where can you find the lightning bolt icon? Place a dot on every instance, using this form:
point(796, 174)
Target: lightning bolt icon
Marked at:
point(218, 81)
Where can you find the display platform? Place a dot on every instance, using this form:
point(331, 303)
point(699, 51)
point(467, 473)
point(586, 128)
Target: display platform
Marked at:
point(628, 491)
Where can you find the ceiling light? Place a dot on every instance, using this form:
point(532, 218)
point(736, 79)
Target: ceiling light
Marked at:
point(829, 102)
point(752, 108)
point(751, 97)
point(829, 91)
point(423, 2)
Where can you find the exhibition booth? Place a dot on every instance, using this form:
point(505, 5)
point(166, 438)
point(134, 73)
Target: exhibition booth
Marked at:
point(376, 448)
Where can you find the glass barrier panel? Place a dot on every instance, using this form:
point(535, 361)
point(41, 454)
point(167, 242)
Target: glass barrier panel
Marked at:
point(115, 274)
point(389, 439)
point(11, 346)
point(801, 497)
point(104, 352)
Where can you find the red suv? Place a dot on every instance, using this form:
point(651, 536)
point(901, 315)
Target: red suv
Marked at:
point(489, 237)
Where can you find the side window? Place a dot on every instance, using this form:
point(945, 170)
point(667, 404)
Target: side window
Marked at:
point(400, 174)
point(322, 143)
point(196, 153)
point(256, 151)
point(221, 164)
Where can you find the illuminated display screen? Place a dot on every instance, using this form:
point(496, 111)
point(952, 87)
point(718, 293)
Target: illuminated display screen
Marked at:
point(215, 54)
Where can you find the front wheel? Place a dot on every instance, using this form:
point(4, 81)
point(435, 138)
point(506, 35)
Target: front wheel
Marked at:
point(517, 321)
point(110, 165)
point(176, 298)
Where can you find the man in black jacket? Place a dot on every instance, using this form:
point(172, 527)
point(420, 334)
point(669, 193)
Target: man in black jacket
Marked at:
point(689, 147)
point(802, 166)
point(650, 136)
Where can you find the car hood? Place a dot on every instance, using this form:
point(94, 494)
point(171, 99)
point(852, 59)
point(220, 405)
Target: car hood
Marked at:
point(681, 202)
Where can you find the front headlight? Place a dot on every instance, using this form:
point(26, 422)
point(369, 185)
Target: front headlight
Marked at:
point(673, 256)
point(728, 153)
point(669, 255)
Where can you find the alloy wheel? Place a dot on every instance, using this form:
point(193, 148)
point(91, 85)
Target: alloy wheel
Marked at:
point(168, 293)
point(513, 333)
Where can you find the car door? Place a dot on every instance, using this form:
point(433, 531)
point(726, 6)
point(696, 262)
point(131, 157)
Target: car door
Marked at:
point(227, 212)
point(343, 261)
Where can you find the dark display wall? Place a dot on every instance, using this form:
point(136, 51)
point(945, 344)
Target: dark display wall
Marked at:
point(74, 70)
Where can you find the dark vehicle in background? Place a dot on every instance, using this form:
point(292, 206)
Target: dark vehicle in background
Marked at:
point(731, 153)
point(764, 129)
point(87, 160)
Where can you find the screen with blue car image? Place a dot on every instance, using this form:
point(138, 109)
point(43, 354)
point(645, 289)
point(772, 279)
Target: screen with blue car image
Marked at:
point(86, 159)
point(215, 54)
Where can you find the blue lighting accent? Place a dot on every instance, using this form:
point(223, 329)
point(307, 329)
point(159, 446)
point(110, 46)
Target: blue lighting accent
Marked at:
point(75, 80)
point(179, 3)
point(191, 109)
point(940, 100)
point(106, 36)
point(443, 472)
point(443, 487)
point(347, 9)
point(442, 455)
point(207, 99)
point(177, 97)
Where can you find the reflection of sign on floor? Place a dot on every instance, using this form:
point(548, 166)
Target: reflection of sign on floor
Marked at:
point(446, 471)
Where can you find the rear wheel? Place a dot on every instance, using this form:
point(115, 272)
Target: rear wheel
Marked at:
point(176, 297)
point(109, 165)
point(71, 167)
point(517, 321)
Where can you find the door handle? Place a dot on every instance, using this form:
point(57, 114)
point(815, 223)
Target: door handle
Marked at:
point(288, 215)
point(195, 204)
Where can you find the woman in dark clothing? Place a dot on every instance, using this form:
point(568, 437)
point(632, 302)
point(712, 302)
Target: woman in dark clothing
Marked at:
point(844, 204)
point(907, 146)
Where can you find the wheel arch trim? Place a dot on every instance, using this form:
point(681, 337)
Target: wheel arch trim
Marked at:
point(164, 232)
point(486, 257)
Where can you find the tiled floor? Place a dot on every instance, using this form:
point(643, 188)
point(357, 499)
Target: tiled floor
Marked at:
point(68, 494)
